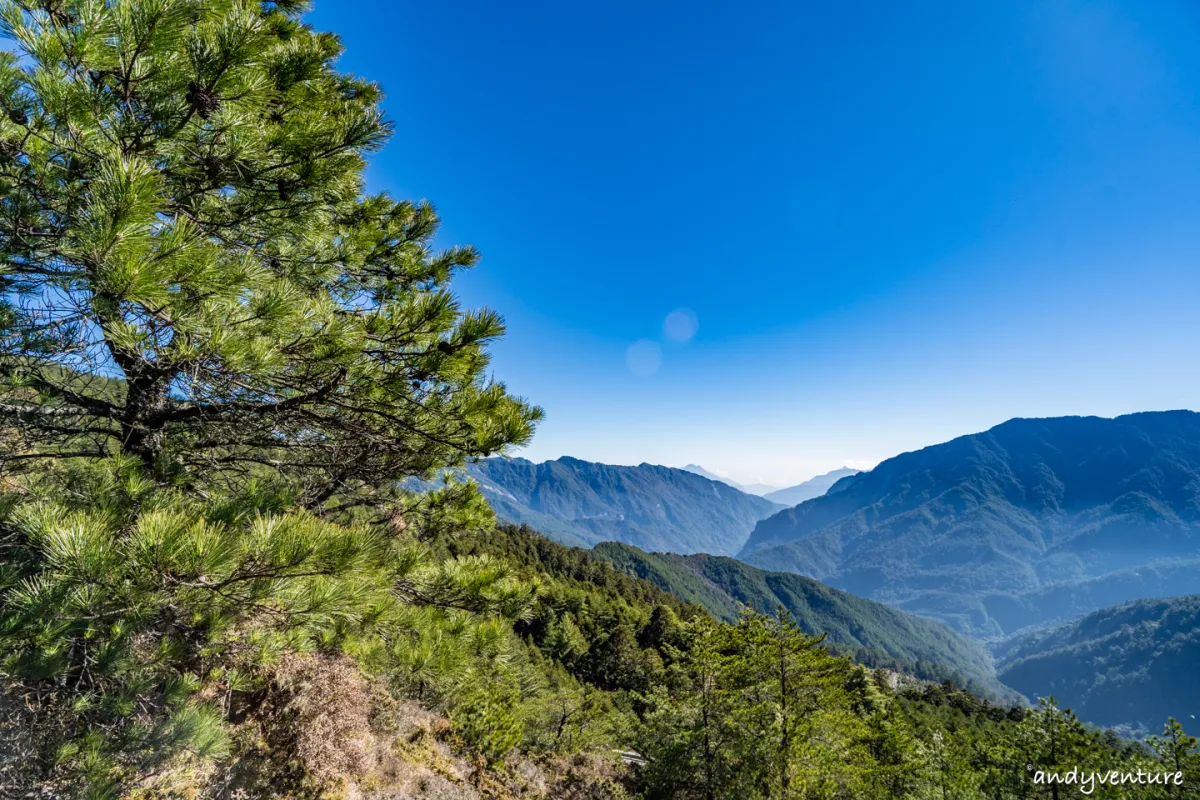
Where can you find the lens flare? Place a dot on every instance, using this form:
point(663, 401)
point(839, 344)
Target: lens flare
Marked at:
point(680, 325)
point(643, 357)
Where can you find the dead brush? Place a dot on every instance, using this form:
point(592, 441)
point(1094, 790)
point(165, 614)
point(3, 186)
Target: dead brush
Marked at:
point(320, 718)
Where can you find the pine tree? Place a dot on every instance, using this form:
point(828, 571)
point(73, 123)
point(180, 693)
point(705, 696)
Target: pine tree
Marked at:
point(946, 767)
point(692, 737)
point(137, 621)
point(663, 631)
point(1177, 753)
point(894, 766)
point(213, 343)
point(1050, 745)
point(192, 274)
point(566, 715)
point(788, 682)
point(564, 640)
point(618, 662)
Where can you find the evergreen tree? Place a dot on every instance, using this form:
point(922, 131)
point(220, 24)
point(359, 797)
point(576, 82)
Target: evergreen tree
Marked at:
point(1177, 753)
point(895, 769)
point(618, 662)
point(136, 621)
point(200, 301)
point(1051, 744)
point(791, 696)
point(947, 770)
point(564, 640)
point(692, 736)
point(182, 210)
point(765, 714)
point(663, 631)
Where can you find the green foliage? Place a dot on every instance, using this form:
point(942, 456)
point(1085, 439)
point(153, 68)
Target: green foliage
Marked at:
point(139, 619)
point(691, 732)
point(762, 692)
point(708, 699)
point(182, 208)
point(564, 641)
point(486, 716)
point(142, 623)
point(200, 301)
point(575, 570)
point(1176, 750)
point(569, 716)
point(874, 634)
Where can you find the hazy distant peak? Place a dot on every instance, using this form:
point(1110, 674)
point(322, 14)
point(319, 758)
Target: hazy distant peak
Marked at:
point(712, 476)
point(760, 489)
point(813, 487)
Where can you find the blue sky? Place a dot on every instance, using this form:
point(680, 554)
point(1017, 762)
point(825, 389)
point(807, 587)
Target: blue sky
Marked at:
point(891, 225)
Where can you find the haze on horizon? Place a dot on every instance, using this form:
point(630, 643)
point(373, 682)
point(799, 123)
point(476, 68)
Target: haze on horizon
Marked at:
point(881, 227)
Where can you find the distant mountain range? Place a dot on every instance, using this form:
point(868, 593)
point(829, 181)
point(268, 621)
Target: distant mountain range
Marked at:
point(1034, 536)
point(759, 489)
point(1125, 666)
point(875, 634)
point(792, 495)
point(1033, 521)
point(813, 487)
point(581, 503)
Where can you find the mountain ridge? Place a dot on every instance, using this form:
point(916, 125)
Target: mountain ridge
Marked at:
point(1118, 666)
point(877, 635)
point(1025, 507)
point(813, 487)
point(581, 503)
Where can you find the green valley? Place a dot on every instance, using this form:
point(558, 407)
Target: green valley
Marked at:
point(872, 633)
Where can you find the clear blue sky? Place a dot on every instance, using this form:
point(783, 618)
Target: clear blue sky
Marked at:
point(893, 223)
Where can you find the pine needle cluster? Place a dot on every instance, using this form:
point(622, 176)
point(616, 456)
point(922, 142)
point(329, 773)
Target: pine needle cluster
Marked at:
point(183, 210)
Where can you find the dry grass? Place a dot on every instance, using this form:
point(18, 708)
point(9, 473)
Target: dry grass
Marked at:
point(324, 713)
point(322, 730)
point(18, 746)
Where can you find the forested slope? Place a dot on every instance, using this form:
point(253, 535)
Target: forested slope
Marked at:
point(1124, 665)
point(873, 633)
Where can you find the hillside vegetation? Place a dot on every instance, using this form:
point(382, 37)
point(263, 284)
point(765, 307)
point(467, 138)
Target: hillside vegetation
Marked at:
point(221, 366)
point(872, 633)
point(1032, 521)
point(1122, 666)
